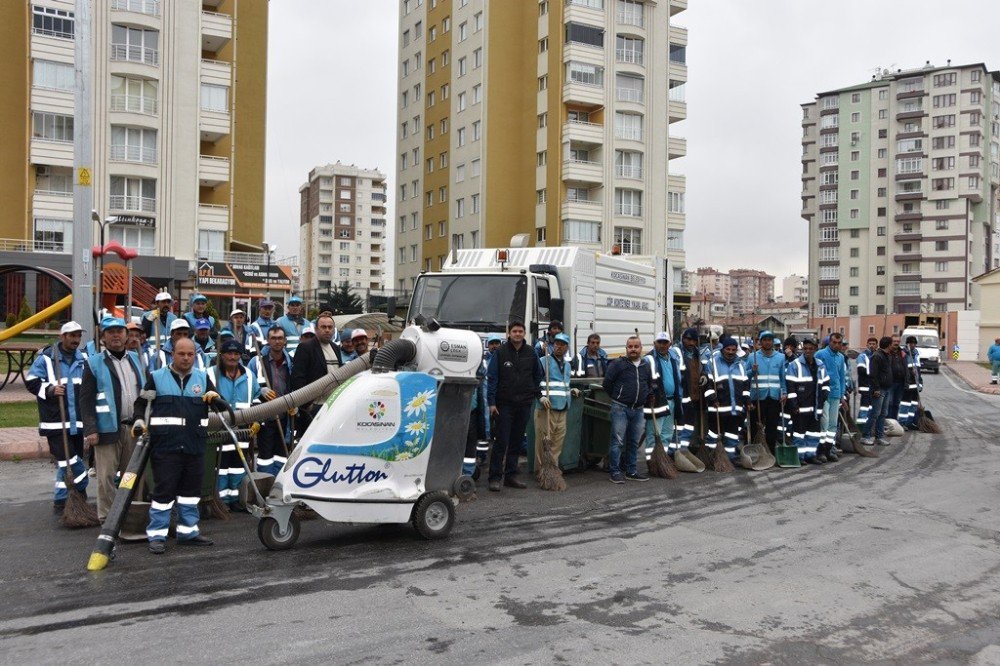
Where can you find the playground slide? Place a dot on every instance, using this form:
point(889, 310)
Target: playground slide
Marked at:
point(37, 318)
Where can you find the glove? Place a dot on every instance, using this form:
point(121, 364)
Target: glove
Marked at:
point(209, 396)
point(293, 411)
point(254, 429)
point(574, 393)
point(703, 381)
point(546, 403)
point(651, 401)
point(269, 394)
point(151, 316)
point(138, 428)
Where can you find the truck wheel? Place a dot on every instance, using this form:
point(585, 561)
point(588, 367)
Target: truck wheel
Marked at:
point(271, 536)
point(434, 515)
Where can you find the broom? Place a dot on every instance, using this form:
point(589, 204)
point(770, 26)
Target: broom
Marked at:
point(660, 465)
point(720, 459)
point(702, 451)
point(549, 475)
point(757, 456)
point(926, 422)
point(77, 513)
point(214, 506)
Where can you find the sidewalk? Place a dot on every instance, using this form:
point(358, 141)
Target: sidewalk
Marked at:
point(975, 375)
point(22, 444)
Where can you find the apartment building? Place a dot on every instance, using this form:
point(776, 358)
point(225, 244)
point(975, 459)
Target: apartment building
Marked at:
point(739, 292)
point(750, 289)
point(709, 281)
point(794, 289)
point(179, 94)
point(564, 137)
point(899, 186)
point(342, 231)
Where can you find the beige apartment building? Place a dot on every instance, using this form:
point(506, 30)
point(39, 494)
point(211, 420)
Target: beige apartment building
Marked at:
point(563, 133)
point(179, 94)
point(899, 186)
point(342, 231)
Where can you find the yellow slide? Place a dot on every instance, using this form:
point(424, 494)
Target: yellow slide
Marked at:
point(37, 318)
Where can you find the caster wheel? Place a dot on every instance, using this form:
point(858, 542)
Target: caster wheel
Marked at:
point(434, 515)
point(273, 538)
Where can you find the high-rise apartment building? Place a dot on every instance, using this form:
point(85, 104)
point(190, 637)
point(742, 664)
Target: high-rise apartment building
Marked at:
point(899, 187)
point(342, 232)
point(794, 289)
point(709, 281)
point(541, 117)
point(179, 95)
point(750, 289)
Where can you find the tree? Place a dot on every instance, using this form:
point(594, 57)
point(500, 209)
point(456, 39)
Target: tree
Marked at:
point(25, 311)
point(343, 301)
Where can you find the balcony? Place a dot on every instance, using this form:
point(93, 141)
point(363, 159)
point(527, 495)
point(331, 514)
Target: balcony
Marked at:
point(584, 132)
point(906, 257)
point(49, 203)
point(135, 53)
point(633, 95)
point(213, 216)
point(676, 147)
point(586, 94)
point(216, 31)
point(51, 152)
point(216, 72)
point(131, 204)
point(629, 57)
point(584, 171)
point(677, 6)
point(136, 154)
point(633, 171)
point(134, 104)
point(582, 209)
point(631, 15)
point(628, 209)
point(906, 277)
point(908, 237)
point(212, 171)
point(213, 124)
point(147, 7)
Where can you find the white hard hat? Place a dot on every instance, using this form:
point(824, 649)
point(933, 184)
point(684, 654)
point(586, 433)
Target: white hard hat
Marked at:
point(70, 327)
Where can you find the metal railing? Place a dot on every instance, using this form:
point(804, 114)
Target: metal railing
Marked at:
point(61, 34)
point(20, 245)
point(134, 53)
point(585, 123)
point(148, 7)
point(583, 202)
point(628, 133)
point(126, 153)
point(629, 95)
point(55, 193)
point(631, 18)
point(378, 197)
point(135, 104)
point(590, 4)
point(134, 203)
point(628, 171)
point(628, 209)
point(630, 56)
point(676, 94)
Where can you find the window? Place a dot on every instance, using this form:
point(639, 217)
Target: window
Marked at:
point(463, 31)
point(974, 161)
point(578, 33)
point(829, 234)
point(941, 266)
point(475, 167)
point(406, 38)
point(940, 225)
point(131, 144)
point(431, 98)
point(474, 203)
point(630, 50)
point(216, 98)
point(628, 126)
point(462, 101)
point(477, 94)
point(459, 208)
point(54, 180)
point(463, 66)
point(855, 253)
point(460, 173)
point(543, 7)
point(629, 87)
point(628, 164)
point(909, 165)
point(940, 287)
point(344, 219)
point(830, 177)
point(628, 202)
point(477, 58)
point(430, 132)
point(855, 233)
point(974, 140)
point(855, 212)
point(543, 44)
point(942, 184)
point(881, 153)
point(855, 98)
point(942, 80)
point(442, 194)
point(975, 118)
point(853, 291)
point(975, 76)
point(882, 133)
point(943, 142)
point(630, 12)
point(457, 241)
point(628, 240)
point(144, 240)
point(909, 145)
point(443, 160)
point(942, 101)
point(880, 231)
point(428, 232)
point(854, 271)
point(883, 94)
point(402, 192)
point(477, 132)
point(591, 75)
point(973, 182)
point(444, 126)
point(135, 44)
point(446, 24)
point(51, 127)
point(578, 231)
point(941, 245)
point(880, 211)
point(540, 158)
point(441, 229)
point(855, 117)
point(942, 163)
point(944, 121)
point(854, 195)
point(429, 165)
point(883, 114)
point(53, 235)
point(133, 194)
point(855, 155)
point(477, 22)
point(880, 270)
point(445, 58)
point(52, 22)
point(460, 137)
point(432, 33)
point(51, 74)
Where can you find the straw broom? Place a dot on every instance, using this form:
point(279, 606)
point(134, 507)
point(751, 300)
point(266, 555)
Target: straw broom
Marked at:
point(77, 513)
point(720, 459)
point(660, 465)
point(925, 423)
point(549, 475)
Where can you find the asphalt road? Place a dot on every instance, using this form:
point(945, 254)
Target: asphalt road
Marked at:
point(888, 560)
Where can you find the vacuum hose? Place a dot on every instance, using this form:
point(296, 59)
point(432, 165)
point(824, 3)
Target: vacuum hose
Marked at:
point(392, 354)
point(320, 388)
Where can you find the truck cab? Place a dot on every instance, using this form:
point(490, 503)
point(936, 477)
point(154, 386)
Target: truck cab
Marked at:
point(928, 346)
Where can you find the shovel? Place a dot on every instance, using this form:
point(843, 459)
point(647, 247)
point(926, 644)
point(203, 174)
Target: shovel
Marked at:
point(787, 455)
point(755, 455)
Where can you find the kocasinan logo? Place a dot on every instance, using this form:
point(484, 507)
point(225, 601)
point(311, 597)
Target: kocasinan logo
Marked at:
point(311, 471)
point(376, 410)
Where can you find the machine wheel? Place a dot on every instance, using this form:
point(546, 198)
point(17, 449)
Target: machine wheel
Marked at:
point(270, 535)
point(434, 515)
point(464, 487)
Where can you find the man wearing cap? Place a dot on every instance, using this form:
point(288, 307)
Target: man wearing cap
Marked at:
point(161, 311)
point(238, 386)
point(836, 370)
point(913, 386)
point(273, 370)
point(111, 384)
point(544, 346)
point(629, 383)
point(727, 394)
point(197, 310)
point(179, 329)
point(308, 333)
point(50, 385)
point(808, 387)
point(693, 382)
point(312, 360)
point(665, 364)
point(346, 343)
point(203, 338)
point(292, 323)
point(178, 427)
point(242, 334)
point(265, 319)
point(864, 382)
point(766, 369)
point(592, 361)
point(553, 402)
point(135, 340)
point(359, 338)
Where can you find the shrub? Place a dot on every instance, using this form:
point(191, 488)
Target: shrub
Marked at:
point(11, 319)
point(25, 310)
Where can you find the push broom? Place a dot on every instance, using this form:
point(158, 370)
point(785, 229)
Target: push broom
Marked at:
point(660, 465)
point(77, 513)
point(549, 475)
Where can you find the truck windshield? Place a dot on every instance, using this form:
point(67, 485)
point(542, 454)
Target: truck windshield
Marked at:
point(927, 341)
point(470, 301)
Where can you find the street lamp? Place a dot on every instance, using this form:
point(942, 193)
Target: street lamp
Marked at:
point(268, 249)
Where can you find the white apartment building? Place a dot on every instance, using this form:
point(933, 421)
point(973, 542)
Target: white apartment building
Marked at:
point(794, 289)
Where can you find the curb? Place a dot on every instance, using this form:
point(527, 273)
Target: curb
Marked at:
point(33, 449)
point(986, 389)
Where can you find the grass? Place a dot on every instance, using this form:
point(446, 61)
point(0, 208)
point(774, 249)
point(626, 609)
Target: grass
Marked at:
point(18, 414)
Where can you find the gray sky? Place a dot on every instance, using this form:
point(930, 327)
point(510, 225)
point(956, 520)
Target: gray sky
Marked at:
point(332, 88)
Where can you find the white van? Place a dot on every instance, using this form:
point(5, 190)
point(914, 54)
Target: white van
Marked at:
point(928, 346)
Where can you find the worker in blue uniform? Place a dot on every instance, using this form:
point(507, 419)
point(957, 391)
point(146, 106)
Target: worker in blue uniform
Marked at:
point(292, 322)
point(238, 386)
point(864, 385)
point(808, 387)
point(49, 385)
point(178, 427)
point(179, 330)
point(727, 394)
point(665, 363)
point(198, 309)
point(161, 311)
point(766, 369)
point(552, 406)
point(273, 370)
point(265, 319)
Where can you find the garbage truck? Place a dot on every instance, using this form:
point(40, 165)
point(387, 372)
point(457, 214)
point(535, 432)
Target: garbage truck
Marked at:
point(483, 289)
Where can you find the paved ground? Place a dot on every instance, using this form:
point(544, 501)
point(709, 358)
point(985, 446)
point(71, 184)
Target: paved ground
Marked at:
point(887, 560)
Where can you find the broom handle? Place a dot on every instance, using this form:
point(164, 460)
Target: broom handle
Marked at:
point(756, 381)
point(67, 472)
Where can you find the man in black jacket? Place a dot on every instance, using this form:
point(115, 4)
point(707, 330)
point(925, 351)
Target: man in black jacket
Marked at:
point(314, 359)
point(629, 383)
point(513, 377)
point(879, 387)
point(898, 364)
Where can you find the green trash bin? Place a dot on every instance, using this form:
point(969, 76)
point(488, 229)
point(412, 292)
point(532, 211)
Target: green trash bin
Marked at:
point(570, 458)
point(596, 431)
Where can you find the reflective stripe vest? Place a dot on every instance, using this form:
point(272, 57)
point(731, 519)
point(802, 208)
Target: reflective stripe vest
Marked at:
point(178, 419)
point(42, 376)
point(661, 367)
point(769, 381)
point(913, 365)
point(864, 369)
point(257, 367)
point(836, 370)
point(192, 318)
point(293, 331)
point(105, 406)
point(558, 387)
point(806, 394)
point(261, 326)
point(150, 326)
point(582, 362)
point(241, 392)
point(166, 356)
point(728, 385)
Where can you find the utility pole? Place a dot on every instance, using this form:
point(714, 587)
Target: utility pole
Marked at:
point(83, 173)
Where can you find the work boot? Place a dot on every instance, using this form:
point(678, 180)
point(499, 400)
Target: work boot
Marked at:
point(495, 485)
point(58, 506)
point(814, 460)
point(821, 458)
point(513, 482)
point(868, 441)
point(832, 456)
point(196, 541)
point(881, 442)
point(157, 547)
point(637, 476)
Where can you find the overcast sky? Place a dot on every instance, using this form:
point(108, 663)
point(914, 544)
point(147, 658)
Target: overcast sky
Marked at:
point(332, 88)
